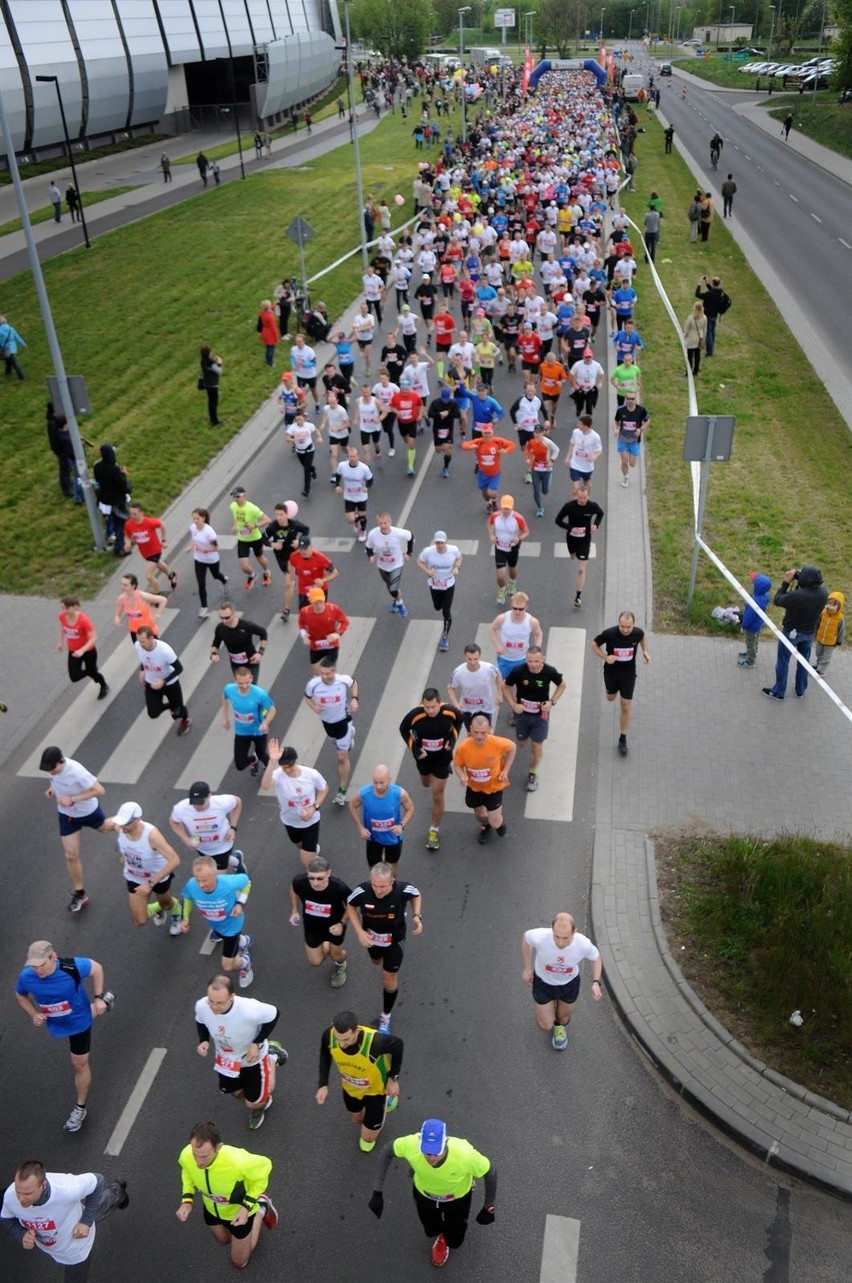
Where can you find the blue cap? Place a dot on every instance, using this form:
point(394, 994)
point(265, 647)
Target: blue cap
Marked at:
point(433, 1137)
point(445, 394)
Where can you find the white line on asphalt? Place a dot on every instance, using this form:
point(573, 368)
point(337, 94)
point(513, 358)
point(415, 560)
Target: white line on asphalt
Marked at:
point(748, 158)
point(815, 218)
point(554, 800)
point(560, 551)
point(530, 549)
point(209, 945)
point(560, 1250)
point(85, 713)
point(844, 243)
point(422, 473)
point(792, 197)
point(130, 1112)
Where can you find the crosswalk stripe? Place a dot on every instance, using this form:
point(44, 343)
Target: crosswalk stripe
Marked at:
point(403, 688)
point(560, 551)
point(560, 1250)
point(554, 799)
point(82, 717)
point(529, 548)
point(306, 732)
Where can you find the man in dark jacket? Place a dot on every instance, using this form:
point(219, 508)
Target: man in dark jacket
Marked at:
point(59, 440)
point(802, 607)
point(113, 490)
point(711, 296)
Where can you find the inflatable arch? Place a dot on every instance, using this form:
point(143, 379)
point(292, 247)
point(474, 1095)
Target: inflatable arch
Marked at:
point(567, 64)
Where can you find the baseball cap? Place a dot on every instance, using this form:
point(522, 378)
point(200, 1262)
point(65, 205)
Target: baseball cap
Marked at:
point(287, 376)
point(316, 594)
point(588, 352)
point(507, 501)
point(440, 536)
point(304, 541)
point(433, 1137)
point(199, 791)
point(405, 383)
point(38, 952)
point(446, 394)
point(127, 813)
point(237, 490)
point(289, 756)
point(51, 757)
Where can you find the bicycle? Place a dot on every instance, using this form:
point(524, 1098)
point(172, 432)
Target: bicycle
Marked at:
point(714, 157)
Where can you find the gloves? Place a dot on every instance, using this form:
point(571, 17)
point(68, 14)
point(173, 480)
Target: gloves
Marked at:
point(485, 1217)
point(377, 1205)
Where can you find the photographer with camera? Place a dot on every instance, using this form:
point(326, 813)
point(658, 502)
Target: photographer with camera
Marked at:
point(803, 606)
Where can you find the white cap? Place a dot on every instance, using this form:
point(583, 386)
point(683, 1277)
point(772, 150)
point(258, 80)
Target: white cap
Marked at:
point(127, 813)
point(440, 536)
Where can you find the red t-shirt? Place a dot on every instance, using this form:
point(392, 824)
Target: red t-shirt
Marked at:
point(310, 569)
point(78, 633)
point(145, 534)
point(444, 326)
point(529, 345)
point(319, 623)
point(407, 405)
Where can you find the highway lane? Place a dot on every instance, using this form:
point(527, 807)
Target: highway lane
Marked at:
point(590, 1136)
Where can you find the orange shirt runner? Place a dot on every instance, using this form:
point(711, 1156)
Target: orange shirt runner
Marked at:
point(488, 453)
point(483, 763)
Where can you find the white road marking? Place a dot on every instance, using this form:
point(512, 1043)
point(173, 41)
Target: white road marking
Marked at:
point(554, 800)
point(323, 543)
point(844, 243)
point(529, 548)
point(815, 218)
point(560, 1250)
point(129, 1114)
point(560, 551)
point(792, 197)
point(748, 158)
point(85, 713)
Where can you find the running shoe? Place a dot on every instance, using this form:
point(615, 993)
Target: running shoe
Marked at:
point(176, 924)
point(278, 1053)
point(124, 1200)
point(267, 578)
point(184, 725)
point(444, 643)
point(158, 917)
point(440, 1251)
point(339, 798)
point(532, 782)
point(173, 578)
point(539, 512)
point(75, 1119)
point(203, 612)
point(78, 901)
point(270, 1216)
point(409, 472)
point(433, 841)
point(501, 595)
point(366, 1146)
point(384, 1023)
point(338, 979)
point(104, 691)
point(622, 745)
point(391, 1103)
point(528, 478)
point(445, 472)
point(246, 941)
point(257, 1117)
point(625, 482)
point(743, 663)
point(362, 536)
point(248, 582)
point(394, 607)
point(560, 1038)
point(484, 833)
point(254, 770)
point(246, 973)
point(391, 453)
point(578, 600)
point(285, 615)
point(502, 830)
point(402, 610)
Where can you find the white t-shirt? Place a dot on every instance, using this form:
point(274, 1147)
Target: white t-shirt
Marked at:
point(475, 690)
point(408, 323)
point(73, 779)
point(369, 414)
point(384, 393)
point(419, 375)
point(54, 1220)
point(353, 479)
point(465, 351)
point(389, 550)
point(156, 663)
point(295, 793)
point(141, 862)
point(440, 565)
point(330, 699)
point(559, 966)
point(527, 413)
point(211, 825)
point(302, 436)
point(232, 1032)
point(204, 544)
point(372, 286)
point(507, 530)
point(585, 445)
point(586, 376)
point(364, 327)
point(337, 421)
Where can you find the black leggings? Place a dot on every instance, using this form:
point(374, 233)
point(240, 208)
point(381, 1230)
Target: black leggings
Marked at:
point(243, 750)
point(449, 1219)
point(585, 401)
point(213, 405)
point(85, 666)
point(201, 569)
point(306, 458)
point(170, 697)
point(694, 357)
point(442, 599)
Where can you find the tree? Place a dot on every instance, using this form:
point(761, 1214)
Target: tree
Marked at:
point(397, 28)
point(559, 22)
point(841, 48)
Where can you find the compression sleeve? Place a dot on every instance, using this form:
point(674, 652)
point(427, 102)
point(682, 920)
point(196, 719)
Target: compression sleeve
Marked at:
point(92, 1201)
point(380, 1174)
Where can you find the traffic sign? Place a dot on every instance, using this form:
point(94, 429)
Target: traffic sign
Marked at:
point(300, 232)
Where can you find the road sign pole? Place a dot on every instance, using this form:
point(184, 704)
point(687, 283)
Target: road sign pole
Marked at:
point(303, 267)
point(702, 504)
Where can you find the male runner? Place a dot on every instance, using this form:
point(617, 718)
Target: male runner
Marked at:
point(377, 911)
point(75, 791)
point(318, 903)
point(369, 1064)
point(430, 730)
point(246, 1057)
point(331, 695)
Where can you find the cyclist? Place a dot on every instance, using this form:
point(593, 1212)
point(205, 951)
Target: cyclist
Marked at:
point(717, 142)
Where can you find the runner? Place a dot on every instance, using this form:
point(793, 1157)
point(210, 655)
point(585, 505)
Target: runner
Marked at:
point(541, 453)
point(136, 605)
point(441, 562)
point(246, 1057)
point(369, 1064)
point(507, 530)
point(331, 695)
point(381, 811)
point(321, 626)
point(475, 687)
point(221, 899)
point(377, 911)
point(149, 536)
point(482, 763)
point(354, 479)
point(237, 636)
point(219, 1173)
point(513, 633)
point(305, 437)
point(312, 569)
point(337, 424)
point(489, 451)
point(247, 525)
point(159, 672)
point(204, 546)
point(303, 361)
point(617, 648)
point(254, 711)
point(207, 824)
point(79, 636)
point(390, 547)
point(430, 730)
point(368, 412)
point(444, 1171)
point(318, 902)
point(555, 973)
point(584, 451)
point(149, 865)
point(553, 376)
point(528, 690)
point(580, 518)
point(443, 414)
point(75, 791)
point(57, 1212)
point(50, 991)
point(407, 405)
point(587, 379)
point(283, 534)
point(629, 427)
point(300, 791)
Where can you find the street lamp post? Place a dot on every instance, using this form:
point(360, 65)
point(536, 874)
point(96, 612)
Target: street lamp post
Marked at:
point(359, 180)
point(465, 9)
point(54, 80)
point(733, 10)
point(630, 25)
point(819, 50)
point(67, 405)
point(233, 84)
point(528, 25)
point(603, 11)
point(771, 31)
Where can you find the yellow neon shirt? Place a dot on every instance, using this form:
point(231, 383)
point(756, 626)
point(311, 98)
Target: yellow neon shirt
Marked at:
point(456, 1175)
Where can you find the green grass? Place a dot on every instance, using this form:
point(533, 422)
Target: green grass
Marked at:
point(154, 292)
point(761, 506)
point(60, 163)
point(45, 215)
point(826, 121)
point(763, 929)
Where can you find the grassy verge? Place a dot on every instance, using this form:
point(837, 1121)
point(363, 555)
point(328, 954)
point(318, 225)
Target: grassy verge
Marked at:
point(195, 273)
point(733, 908)
point(757, 517)
point(57, 163)
point(825, 121)
point(44, 215)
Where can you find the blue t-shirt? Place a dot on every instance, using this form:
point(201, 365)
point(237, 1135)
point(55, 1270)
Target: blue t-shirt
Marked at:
point(58, 996)
point(625, 342)
point(216, 905)
point(249, 709)
point(623, 300)
point(379, 813)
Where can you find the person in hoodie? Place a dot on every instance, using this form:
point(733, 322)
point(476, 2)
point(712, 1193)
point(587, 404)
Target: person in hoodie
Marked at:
point(113, 489)
point(803, 607)
point(752, 623)
point(830, 631)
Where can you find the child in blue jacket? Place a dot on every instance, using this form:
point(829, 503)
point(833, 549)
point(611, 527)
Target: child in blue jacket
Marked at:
point(752, 623)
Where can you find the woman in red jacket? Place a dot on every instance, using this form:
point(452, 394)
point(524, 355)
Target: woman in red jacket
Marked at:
point(267, 328)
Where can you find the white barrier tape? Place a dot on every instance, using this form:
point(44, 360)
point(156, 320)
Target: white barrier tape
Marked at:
point(357, 250)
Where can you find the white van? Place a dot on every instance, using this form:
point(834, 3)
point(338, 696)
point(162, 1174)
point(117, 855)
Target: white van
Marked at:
point(631, 84)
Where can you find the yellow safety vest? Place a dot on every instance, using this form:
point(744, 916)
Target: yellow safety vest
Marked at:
point(361, 1075)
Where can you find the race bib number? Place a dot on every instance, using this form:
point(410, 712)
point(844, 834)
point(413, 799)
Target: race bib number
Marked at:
point(624, 653)
point(531, 705)
point(316, 910)
point(380, 939)
point(432, 746)
point(352, 1081)
point(558, 969)
point(479, 774)
point(55, 1008)
point(225, 1065)
point(577, 532)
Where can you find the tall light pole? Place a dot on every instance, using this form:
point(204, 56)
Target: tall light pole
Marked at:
point(603, 11)
point(465, 9)
point(733, 10)
point(359, 180)
point(54, 80)
point(67, 405)
point(233, 84)
point(819, 50)
point(771, 31)
point(630, 25)
point(528, 25)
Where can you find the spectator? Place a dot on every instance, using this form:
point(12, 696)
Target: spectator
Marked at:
point(113, 496)
point(203, 165)
point(694, 216)
point(729, 191)
point(62, 446)
point(166, 167)
point(211, 371)
point(56, 201)
point(695, 336)
point(651, 233)
point(716, 302)
point(752, 623)
point(267, 328)
point(72, 200)
point(803, 607)
point(708, 210)
point(830, 631)
point(10, 341)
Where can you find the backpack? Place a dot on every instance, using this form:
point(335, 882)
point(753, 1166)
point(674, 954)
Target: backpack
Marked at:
point(694, 213)
point(69, 966)
point(723, 304)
